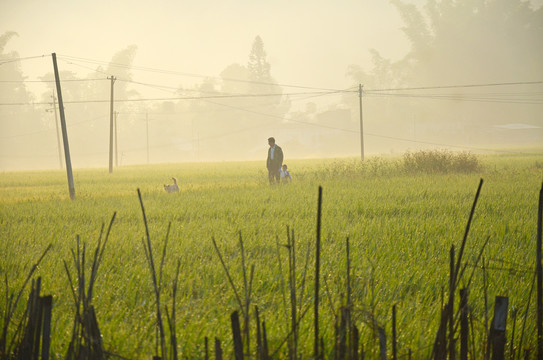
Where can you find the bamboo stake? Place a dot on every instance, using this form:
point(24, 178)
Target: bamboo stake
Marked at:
point(149, 254)
point(539, 270)
point(316, 353)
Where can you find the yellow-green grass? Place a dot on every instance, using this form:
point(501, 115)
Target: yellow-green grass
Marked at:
point(400, 225)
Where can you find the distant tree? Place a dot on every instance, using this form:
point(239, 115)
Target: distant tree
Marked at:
point(463, 41)
point(235, 79)
point(259, 68)
point(14, 89)
point(21, 124)
point(249, 107)
point(454, 42)
point(473, 41)
point(120, 66)
point(261, 82)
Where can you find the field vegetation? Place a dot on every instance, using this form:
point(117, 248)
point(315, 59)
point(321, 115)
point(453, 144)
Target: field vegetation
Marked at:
point(401, 216)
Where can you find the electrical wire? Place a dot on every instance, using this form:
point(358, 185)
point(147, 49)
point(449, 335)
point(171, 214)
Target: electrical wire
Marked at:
point(472, 98)
point(70, 125)
point(459, 86)
point(218, 96)
point(171, 72)
point(21, 59)
point(47, 81)
point(373, 92)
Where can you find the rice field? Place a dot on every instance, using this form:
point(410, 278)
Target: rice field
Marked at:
point(400, 225)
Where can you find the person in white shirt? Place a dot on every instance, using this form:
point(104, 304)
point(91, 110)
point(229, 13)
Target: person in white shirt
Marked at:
point(285, 175)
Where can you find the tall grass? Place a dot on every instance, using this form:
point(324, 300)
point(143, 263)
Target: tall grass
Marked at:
point(400, 224)
point(441, 161)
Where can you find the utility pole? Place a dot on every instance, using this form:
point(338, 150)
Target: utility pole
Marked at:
point(361, 123)
point(112, 78)
point(147, 132)
point(116, 142)
point(64, 131)
point(58, 130)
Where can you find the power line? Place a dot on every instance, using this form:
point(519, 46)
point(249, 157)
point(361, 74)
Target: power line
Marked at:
point(472, 98)
point(337, 129)
point(48, 130)
point(20, 59)
point(72, 60)
point(47, 81)
point(461, 86)
point(171, 72)
point(218, 96)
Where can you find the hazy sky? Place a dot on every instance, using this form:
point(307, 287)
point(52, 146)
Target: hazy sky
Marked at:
point(308, 42)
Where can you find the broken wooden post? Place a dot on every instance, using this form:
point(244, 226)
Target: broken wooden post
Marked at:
point(464, 324)
point(46, 302)
point(218, 349)
point(354, 342)
point(497, 328)
point(382, 343)
point(236, 332)
point(259, 346)
point(394, 339)
point(265, 351)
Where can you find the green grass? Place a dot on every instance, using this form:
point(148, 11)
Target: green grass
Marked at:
point(401, 226)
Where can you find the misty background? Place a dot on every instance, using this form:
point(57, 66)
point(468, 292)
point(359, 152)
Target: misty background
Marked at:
point(211, 82)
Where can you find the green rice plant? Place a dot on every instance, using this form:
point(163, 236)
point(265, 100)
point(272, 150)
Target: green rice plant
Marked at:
point(400, 225)
point(440, 161)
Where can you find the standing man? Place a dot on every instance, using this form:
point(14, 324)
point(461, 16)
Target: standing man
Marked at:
point(274, 162)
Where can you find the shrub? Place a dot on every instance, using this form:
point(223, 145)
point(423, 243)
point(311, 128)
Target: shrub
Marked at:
point(440, 161)
point(354, 168)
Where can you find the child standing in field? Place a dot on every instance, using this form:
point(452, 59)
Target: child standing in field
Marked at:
point(285, 175)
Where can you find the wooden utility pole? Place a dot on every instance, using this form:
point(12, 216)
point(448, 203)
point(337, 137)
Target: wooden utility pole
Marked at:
point(116, 142)
point(112, 78)
point(64, 131)
point(361, 123)
point(147, 134)
point(58, 131)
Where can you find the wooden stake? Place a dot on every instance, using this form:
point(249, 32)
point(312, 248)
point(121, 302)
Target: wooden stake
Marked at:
point(236, 332)
point(464, 324)
point(218, 350)
point(394, 339)
point(497, 331)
